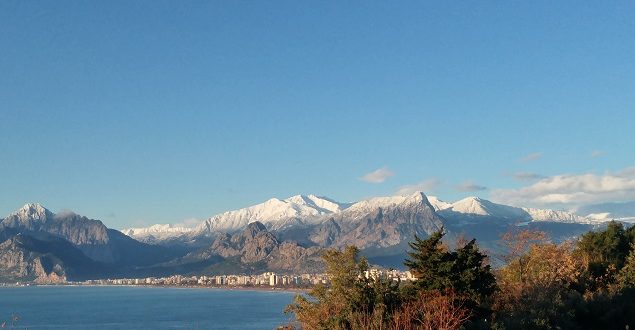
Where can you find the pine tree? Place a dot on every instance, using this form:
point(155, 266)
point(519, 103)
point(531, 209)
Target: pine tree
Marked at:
point(472, 276)
point(463, 270)
point(429, 263)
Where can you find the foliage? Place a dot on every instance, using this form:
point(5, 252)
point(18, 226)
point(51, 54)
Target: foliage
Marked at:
point(588, 284)
point(538, 287)
point(432, 310)
point(350, 300)
point(626, 277)
point(463, 270)
point(606, 250)
point(606, 310)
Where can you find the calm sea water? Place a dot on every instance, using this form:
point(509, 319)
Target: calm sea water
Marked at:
point(142, 308)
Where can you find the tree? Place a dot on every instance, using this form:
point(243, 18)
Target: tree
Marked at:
point(464, 270)
point(605, 251)
point(517, 244)
point(350, 300)
point(472, 275)
point(626, 277)
point(538, 288)
point(429, 262)
point(432, 310)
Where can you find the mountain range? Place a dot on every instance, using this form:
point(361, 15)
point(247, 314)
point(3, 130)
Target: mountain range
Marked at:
point(282, 235)
point(298, 212)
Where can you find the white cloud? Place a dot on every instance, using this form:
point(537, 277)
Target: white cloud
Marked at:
point(597, 153)
point(425, 186)
point(378, 175)
point(65, 213)
point(469, 186)
point(527, 176)
point(572, 190)
point(532, 157)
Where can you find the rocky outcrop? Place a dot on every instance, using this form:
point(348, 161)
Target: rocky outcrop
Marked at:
point(255, 245)
point(378, 227)
point(19, 262)
point(74, 228)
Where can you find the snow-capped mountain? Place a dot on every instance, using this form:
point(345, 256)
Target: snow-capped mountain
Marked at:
point(309, 210)
point(620, 211)
point(554, 216)
point(159, 231)
point(69, 231)
point(376, 223)
point(31, 212)
point(482, 207)
point(273, 213)
point(478, 207)
point(375, 203)
point(438, 204)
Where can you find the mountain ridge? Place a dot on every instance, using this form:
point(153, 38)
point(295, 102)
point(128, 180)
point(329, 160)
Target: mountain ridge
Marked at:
point(276, 214)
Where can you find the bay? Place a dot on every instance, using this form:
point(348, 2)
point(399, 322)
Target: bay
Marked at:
point(94, 307)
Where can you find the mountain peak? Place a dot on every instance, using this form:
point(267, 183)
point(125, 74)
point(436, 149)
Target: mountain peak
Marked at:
point(418, 195)
point(481, 207)
point(32, 211)
point(438, 204)
point(322, 204)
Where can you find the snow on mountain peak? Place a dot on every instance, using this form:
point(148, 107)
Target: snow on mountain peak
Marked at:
point(160, 230)
point(438, 204)
point(278, 213)
point(370, 204)
point(376, 202)
point(552, 215)
point(475, 206)
point(481, 207)
point(273, 210)
point(325, 205)
point(470, 205)
point(32, 211)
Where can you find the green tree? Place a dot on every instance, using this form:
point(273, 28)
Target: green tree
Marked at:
point(626, 277)
point(429, 262)
point(350, 300)
point(605, 251)
point(465, 270)
point(472, 276)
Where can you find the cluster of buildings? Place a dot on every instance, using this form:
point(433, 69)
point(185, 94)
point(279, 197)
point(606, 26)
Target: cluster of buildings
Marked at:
point(265, 279)
point(268, 279)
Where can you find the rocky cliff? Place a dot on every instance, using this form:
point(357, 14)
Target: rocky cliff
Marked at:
point(256, 249)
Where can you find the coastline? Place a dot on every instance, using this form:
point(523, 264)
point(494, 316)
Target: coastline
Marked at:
point(225, 288)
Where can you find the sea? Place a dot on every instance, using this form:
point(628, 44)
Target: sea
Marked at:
point(115, 307)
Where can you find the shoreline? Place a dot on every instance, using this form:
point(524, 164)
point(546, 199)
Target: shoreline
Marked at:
point(226, 288)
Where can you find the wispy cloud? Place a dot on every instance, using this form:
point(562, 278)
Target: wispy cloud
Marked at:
point(65, 213)
point(527, 176)
point(571, 190)
point(425, 186)
point(378, 176)
point(597, 153)
point(532, 157)
point(470, 186)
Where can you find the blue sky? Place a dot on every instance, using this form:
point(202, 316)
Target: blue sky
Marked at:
point(160, 111)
